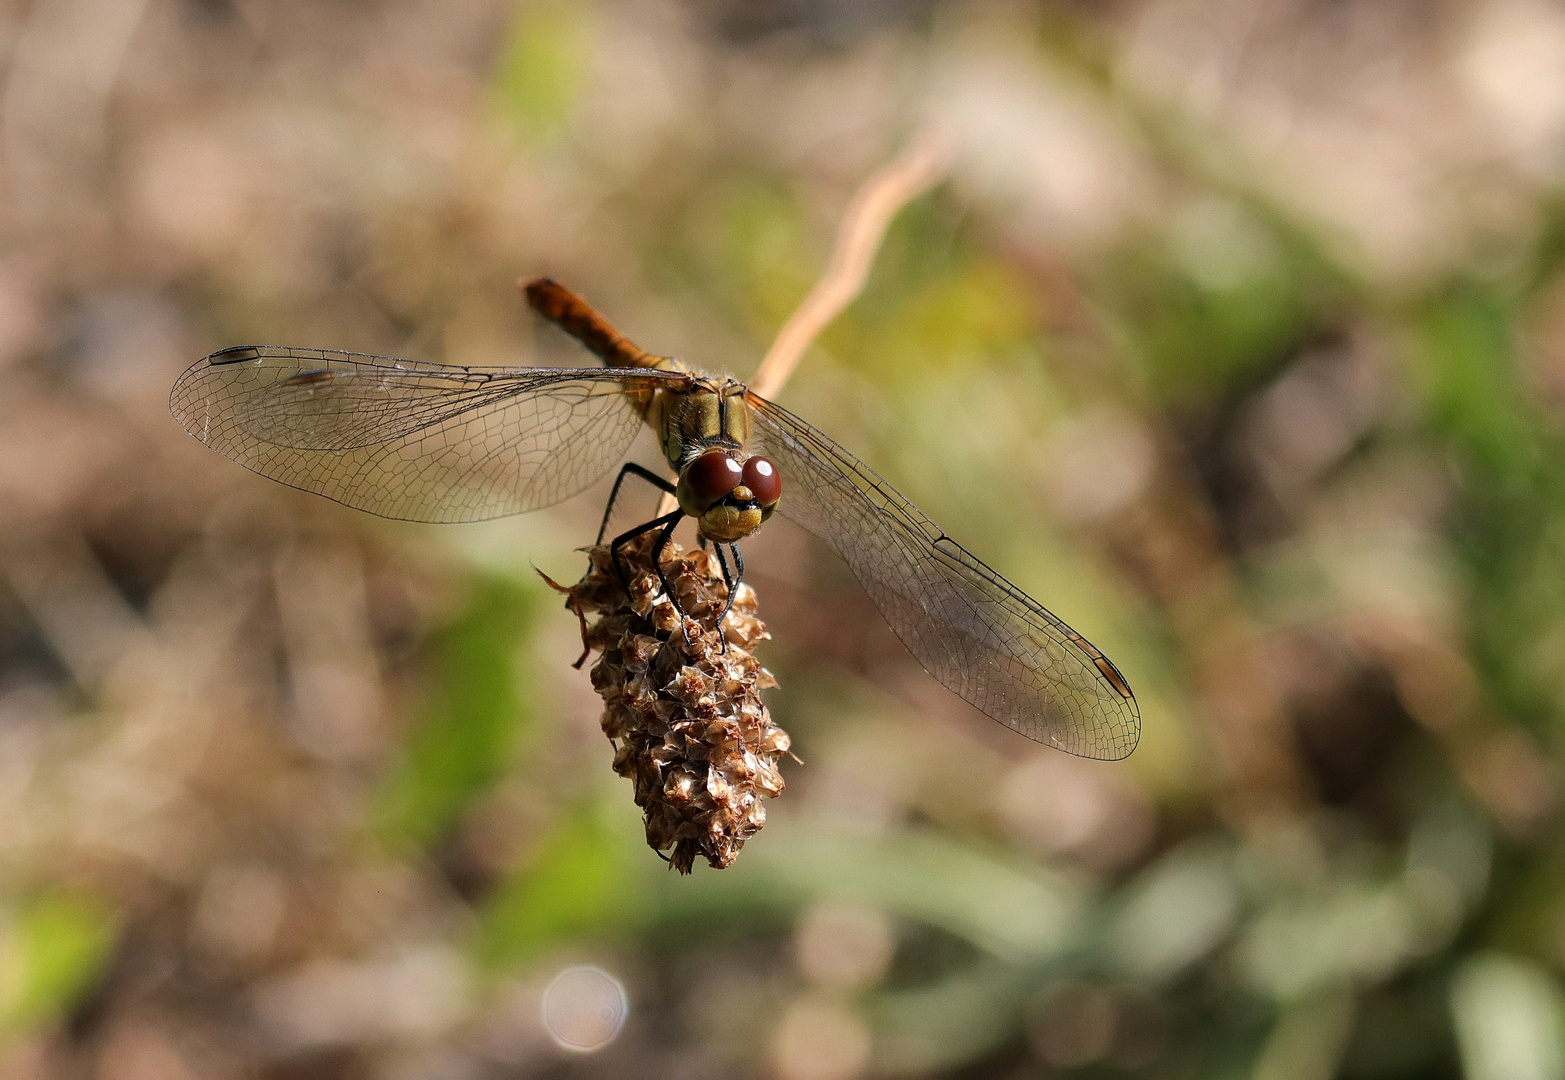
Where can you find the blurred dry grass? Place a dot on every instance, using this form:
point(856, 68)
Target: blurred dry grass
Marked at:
point(1236, 335)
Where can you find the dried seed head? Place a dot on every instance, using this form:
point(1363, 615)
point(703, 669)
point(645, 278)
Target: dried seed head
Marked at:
point(684, 712)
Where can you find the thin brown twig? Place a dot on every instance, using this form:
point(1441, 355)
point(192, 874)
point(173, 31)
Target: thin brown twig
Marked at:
point(859, 235)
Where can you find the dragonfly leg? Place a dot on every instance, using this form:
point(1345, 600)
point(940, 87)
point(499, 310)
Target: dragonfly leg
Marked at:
point(728, 579)
point(666, 523)
point(657, 563)
point(733, 585)
point(630, 468)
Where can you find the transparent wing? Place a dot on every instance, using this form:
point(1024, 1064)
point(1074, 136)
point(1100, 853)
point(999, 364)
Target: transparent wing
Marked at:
point(972, 630)
point(420, 442)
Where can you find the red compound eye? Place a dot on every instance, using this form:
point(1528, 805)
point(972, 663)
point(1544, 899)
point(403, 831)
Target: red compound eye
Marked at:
point(760, 476)
point(713, 475)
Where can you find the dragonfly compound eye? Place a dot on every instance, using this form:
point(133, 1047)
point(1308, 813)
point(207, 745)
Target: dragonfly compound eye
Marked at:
point(760, 476)
point(713, 475)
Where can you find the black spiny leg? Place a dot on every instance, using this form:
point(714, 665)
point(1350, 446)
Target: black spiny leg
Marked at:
point(666, 523)
point(728, 580)
point(657, 557)
point(631, 468)
point(727, 577)
point(733, 584)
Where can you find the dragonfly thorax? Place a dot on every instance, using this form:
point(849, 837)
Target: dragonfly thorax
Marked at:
point(694, 419)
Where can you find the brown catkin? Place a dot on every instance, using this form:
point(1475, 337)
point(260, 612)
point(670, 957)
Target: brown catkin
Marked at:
point(685, 717)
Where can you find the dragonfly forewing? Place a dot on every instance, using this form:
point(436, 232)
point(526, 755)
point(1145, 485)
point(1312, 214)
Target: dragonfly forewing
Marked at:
point(418, 442)
point(971, 629)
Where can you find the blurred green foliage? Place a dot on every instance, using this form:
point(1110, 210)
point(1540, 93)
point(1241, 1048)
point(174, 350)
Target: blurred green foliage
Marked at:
point(938, 303)
point(480, 706)
point(53, 948)
point(740, 241)
point(541, 66)
point(1467, 369)
point(579, 884)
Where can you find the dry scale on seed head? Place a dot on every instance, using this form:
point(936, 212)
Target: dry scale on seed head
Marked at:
point(682, 707)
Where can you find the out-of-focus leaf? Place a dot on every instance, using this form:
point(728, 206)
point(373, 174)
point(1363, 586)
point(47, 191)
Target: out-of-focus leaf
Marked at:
point(54, 949)
point(1218, 303)
point(1466, 366)
point(1176, 912)
point(1350, 934)
point(1511, 515)
point(541, 64)
point(578, 885)
point(1450, 842)
point(1308, 1040)
point(1508, 1020)
point(1005, 907)
point(948, 1023)
point(476, 712)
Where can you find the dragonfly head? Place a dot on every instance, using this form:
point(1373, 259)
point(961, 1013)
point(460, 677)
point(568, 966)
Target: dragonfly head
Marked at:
point(729, 495)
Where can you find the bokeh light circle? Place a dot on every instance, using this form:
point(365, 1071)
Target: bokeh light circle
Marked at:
point(584, 1008)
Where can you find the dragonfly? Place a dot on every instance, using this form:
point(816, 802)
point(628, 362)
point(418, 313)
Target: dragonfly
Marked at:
point(440, 443)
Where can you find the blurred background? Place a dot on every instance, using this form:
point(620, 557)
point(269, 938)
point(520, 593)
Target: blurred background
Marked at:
point(1235, 333)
